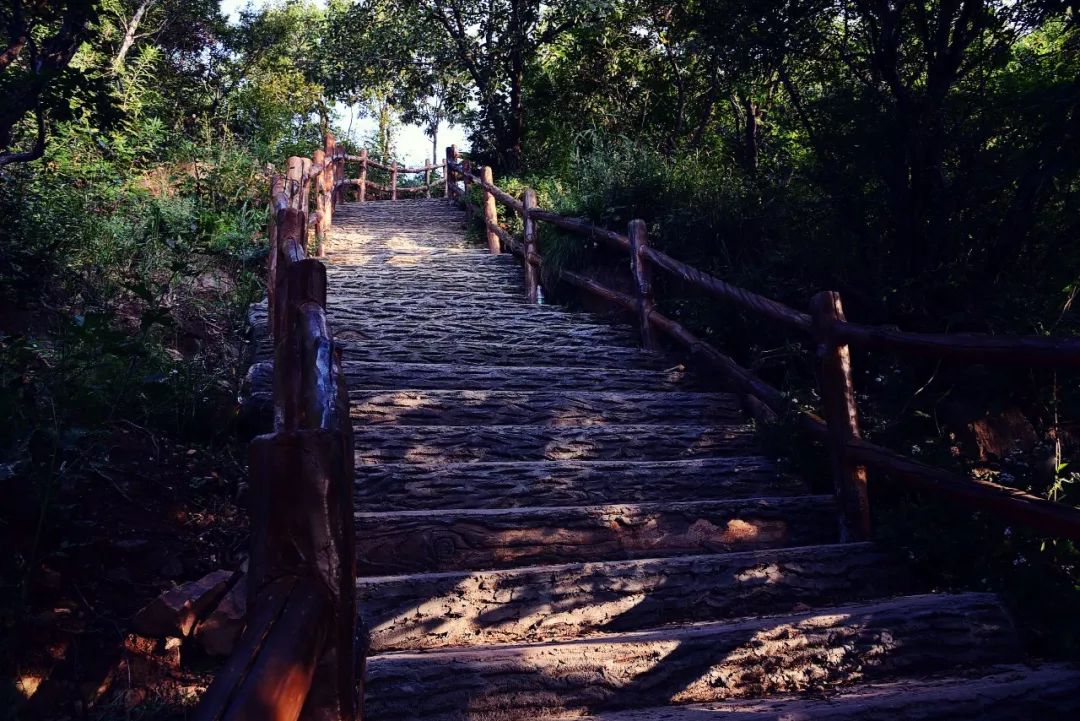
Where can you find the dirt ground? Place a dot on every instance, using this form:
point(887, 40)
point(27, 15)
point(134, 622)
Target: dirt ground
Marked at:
point(138, 516)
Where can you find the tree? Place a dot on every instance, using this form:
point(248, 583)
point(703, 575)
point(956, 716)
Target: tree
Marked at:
point(35, 74)
point(377, 55)
point(918, 60)
point(432, 91)
point(496, 44)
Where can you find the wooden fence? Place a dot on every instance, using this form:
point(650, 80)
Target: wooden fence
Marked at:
point(299, 651)
point(362, 184)
point(825, 326)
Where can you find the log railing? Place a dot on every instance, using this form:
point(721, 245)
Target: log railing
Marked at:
point(362, 183)
point(825, 326)
point(298, 654)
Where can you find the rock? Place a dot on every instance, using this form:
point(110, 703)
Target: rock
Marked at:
point(997, 435)
point(991, 434)
point(175, 612)
point(219, 632)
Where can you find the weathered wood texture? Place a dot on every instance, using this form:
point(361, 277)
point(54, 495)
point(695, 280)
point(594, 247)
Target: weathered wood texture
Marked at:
point(530, 237)
point(447, 540)
point(643, 288)
point(549, 603)
point(1007, 693)
point(270, 672)
point(842, 415)
point(414, 486)
point(693, 664)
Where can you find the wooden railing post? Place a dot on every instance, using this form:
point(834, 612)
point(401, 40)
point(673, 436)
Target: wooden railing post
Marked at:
point(302, 529)
point(291, 226)
point(427, 178)
point(329, 147)
point(362, 188)
point(321, 205)
point(277, 185)
point(294, 181)
point(448, 175)
point(466, 182)
point(491, 214)
point(532, 285)
point(298, 657)
point(306, 184)
point(339, 173)
point(393, 181)
point(841, 415)
point(329, 182)
point(639, 239)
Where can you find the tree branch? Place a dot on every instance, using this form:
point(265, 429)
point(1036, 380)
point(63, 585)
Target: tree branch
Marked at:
point(36, 151)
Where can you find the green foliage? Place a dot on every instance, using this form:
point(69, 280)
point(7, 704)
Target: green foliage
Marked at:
point(130, 252)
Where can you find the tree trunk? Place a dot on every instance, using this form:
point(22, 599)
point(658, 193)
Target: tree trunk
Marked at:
point(751, 133)
point(515, 139)
point(435, 143)
point(130, 33)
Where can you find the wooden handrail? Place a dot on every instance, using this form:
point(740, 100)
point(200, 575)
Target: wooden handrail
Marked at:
point(362, 183)
point(832, 335)
point(386, 188)
point(699, 279)
point(272, 668)
point(1043, 351)
point(383, 166)
point(297, 654)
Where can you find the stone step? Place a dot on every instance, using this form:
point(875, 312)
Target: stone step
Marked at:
point(506, 284)
point(480, 539)
point(416, 486)
point(437, 329)
point(554, 603)
point(697, 663)
point(363, 375)
point(484, 348)
point(462, 444)
point(359, 347)
point(509, 318)
point(385, 376)
point(410, 307)
point(511, 315)
point(431, 265)
point(1048, 692)
point(423, 348)
point(571, 408)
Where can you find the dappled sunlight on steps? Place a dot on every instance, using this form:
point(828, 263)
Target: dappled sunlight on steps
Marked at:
point(554, 523)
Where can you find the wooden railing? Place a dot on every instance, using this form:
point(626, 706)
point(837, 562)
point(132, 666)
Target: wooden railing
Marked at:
point(362, 183)
point(825, 326)
point(298, 653)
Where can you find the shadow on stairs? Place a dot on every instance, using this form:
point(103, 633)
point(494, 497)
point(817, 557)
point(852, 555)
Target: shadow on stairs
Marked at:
point(553, 523)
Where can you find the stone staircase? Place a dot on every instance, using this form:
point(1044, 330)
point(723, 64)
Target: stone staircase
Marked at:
point(553, 523)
